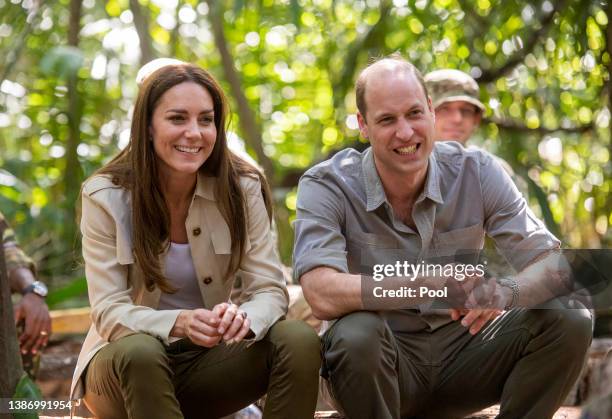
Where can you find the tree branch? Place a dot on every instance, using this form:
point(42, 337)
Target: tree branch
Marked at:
point(345, 78)
point(141, 22)
point(516, 127)
point(13, 56)
point(250, 128)
point(529, 44)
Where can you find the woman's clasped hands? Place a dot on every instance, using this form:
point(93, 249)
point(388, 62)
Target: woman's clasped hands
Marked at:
point(225, 322)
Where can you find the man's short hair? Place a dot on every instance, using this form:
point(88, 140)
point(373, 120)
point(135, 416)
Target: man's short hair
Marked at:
point(449, 85)
point(360, 85)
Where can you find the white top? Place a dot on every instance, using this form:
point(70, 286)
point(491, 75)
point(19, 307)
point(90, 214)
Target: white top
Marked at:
point(182, 275)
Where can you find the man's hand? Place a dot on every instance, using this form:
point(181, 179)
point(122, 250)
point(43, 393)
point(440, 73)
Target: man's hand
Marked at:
point(234, 323)
point(34, 313)
point(486, 301)
point(476, 318)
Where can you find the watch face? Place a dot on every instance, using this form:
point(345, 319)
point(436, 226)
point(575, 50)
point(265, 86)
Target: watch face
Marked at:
point(40, 289)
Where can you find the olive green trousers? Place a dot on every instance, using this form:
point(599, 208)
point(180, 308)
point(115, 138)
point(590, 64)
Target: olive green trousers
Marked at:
point(525, 359)
point(138, 377)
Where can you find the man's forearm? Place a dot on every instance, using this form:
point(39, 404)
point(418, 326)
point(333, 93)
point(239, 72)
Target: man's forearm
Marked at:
point(20, 278)
point(547, 278)
point(332, 294)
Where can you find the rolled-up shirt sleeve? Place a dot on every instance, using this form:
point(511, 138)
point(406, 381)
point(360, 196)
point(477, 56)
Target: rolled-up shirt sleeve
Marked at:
point(319, 240)
point(518, 234)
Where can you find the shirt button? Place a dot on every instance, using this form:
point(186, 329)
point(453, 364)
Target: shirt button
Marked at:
point(207, 280)
point(196, 231)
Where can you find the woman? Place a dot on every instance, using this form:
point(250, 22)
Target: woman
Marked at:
point(167, 225)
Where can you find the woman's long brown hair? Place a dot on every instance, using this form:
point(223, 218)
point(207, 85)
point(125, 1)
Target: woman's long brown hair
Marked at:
point(135, 169)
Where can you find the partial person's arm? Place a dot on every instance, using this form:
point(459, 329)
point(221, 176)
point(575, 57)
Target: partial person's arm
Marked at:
point(31, 309)
point(543, 273)
point(331, 294)
point(264, 293)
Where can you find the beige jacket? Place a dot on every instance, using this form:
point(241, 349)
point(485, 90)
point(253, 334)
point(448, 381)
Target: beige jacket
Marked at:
point(120, 302)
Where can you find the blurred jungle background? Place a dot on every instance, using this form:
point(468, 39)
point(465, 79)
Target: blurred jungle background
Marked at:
point(67, 85)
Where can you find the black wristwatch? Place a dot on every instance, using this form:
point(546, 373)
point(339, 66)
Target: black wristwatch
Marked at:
point(37, 288)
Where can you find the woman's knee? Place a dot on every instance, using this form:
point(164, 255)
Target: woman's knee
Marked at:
point(295, 341)
point(139, 353)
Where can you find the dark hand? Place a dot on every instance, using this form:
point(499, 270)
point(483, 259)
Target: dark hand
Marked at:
point(33, 311)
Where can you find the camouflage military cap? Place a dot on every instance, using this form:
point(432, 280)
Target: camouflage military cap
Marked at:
point(450, 85)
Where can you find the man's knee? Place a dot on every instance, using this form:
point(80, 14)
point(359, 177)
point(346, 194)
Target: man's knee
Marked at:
point(573, 328)
point(361, 338)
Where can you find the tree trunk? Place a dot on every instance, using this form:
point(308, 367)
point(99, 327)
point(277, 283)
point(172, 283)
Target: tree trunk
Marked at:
point(73, 173)
point(250, 128)
point(141, 22)
point(609, 49)
point(10, 360)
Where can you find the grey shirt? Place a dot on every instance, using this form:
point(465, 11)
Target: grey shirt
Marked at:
point(344, 220)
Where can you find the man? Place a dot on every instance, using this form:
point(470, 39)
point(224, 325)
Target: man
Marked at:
point(406, 198)
point(458, 109)
point(31, 311)
point(455, 98)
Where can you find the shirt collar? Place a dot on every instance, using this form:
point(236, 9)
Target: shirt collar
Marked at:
point(432, 182)
point(375, 193)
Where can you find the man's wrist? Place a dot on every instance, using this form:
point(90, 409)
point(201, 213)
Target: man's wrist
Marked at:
point(511, 291)
point(37, 287)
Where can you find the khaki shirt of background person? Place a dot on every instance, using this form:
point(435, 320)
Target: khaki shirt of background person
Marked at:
point(120, 301)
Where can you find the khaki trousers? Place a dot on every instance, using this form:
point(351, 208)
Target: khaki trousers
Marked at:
point(138, 377)
point(526, 359)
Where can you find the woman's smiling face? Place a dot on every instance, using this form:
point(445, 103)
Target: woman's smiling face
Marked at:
point(183, 129)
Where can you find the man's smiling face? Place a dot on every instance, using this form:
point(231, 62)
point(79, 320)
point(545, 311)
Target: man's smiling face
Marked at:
point(399, 123)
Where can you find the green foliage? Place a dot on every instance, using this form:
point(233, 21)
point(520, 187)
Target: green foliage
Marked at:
point(543, 68)
point(27, 389)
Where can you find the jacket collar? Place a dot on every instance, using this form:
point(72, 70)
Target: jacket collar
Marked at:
point(205, 187)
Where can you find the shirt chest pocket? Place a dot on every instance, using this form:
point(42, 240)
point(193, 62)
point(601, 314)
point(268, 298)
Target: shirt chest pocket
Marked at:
point(361, 240)
point(466, 238)
point(364, 250)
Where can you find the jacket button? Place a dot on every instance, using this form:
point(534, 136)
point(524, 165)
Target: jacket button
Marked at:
point(207, 280)
point(196, 231)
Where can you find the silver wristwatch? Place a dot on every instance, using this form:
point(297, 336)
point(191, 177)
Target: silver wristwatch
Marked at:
point(506, 281)
point(37, 288)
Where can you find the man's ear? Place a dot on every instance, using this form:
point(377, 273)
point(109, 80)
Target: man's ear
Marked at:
point(478, 118)
point(430, 105)
point(363, 127)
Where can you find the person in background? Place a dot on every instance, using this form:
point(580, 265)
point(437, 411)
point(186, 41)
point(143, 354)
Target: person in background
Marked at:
point(456, 100)
point(31, 312)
